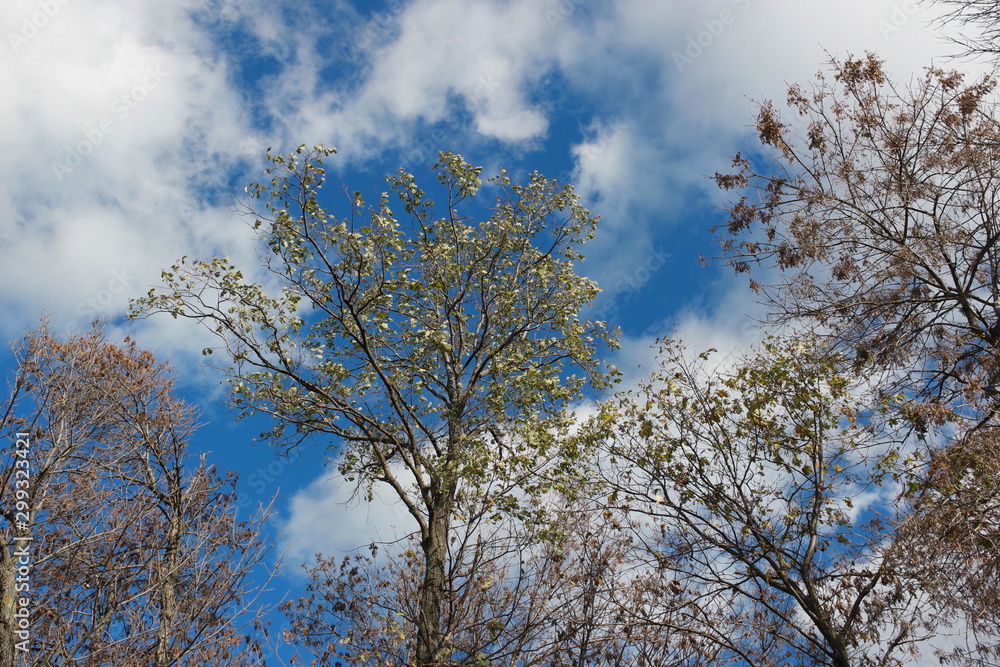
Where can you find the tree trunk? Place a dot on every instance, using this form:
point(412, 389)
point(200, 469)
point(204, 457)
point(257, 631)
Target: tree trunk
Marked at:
point(435, 548)
point(835, 642)
point(170, 578)
point(7, 621)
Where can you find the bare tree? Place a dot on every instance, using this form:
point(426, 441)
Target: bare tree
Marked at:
point(880, 225)
point(568, 595)
point(136, 557)
point(981, 18)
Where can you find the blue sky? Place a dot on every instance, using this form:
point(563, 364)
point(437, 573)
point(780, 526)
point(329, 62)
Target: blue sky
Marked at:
point(127, 125)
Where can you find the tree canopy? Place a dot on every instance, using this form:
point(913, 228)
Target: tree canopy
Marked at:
point(880, 222)
point(436, 349)
point(119, 544)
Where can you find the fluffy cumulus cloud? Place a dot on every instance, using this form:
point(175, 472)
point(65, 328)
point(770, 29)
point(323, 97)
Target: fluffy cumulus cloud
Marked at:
point(676, 86)
point(697, 71)
point(427, 62)
point(327, 517)
point(120, 124)
point(483, 53)
point(127, 123)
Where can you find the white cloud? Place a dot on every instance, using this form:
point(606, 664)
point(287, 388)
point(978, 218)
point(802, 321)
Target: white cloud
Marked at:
point(326, 517)
point(609, 166)
point(149, 98)
point(143, 103)
point(728, 328)
point(121, 120)
point(430, 59)
point(680, 80)
point(620, 177)
point(686, 75)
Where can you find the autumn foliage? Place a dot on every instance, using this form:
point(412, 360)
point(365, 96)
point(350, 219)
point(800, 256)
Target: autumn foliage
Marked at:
point(137, 558)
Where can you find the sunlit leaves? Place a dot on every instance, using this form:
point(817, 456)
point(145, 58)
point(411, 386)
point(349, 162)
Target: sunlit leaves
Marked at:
point(435, 349)
point(746, 478)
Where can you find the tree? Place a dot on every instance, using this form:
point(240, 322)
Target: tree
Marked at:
point(503, 588)
point(134, 556)
point(949, 543)
point(982, 16)
point(559, 596)
point(763, 507)
point(879, 225)
point(435, 352)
